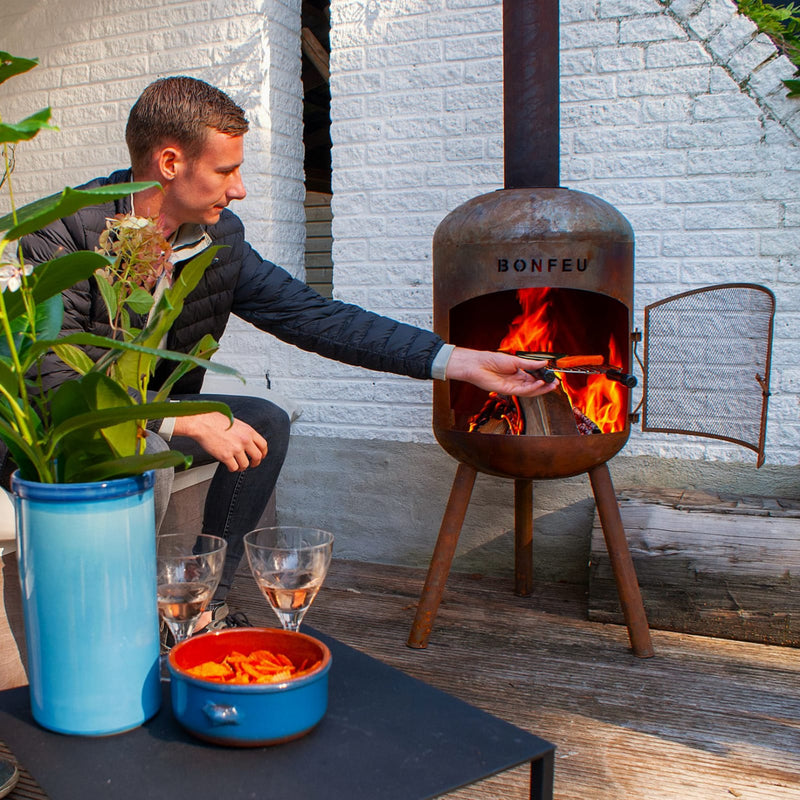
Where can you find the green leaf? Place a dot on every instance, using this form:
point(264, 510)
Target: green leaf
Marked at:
point(22, 454)
point(793, 85)
point(93, 340)
point(74, 358)
point(140, 301)
point(82, 441)
point(20, 330)
point(204, 349)
point(72, 461)
point(171, 303)
point(14, 65)
point(8, 379)
point(54, 277)
point(189, 277)
point(108, 394)
point(107, 293)
point(47, 318)
point(42, 212)
point(27, 128)
point(131, 465)
point(96, 420)
point(95, 393)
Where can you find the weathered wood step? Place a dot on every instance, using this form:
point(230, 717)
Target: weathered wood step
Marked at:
point(709, 564)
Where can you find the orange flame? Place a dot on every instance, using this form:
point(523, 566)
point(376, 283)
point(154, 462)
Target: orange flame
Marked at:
point(537, 329)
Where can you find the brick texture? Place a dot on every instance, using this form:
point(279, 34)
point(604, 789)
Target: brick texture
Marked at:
point(672, 111)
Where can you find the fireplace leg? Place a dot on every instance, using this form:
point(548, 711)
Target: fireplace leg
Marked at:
point(523, 537)
point(442, 558)
point(621, 562)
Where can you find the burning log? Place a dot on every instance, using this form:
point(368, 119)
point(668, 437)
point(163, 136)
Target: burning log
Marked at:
point(585, 425)
point(500, 414)
point(549, 414)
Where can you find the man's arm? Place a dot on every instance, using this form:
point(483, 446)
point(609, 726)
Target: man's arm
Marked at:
point(239, 446)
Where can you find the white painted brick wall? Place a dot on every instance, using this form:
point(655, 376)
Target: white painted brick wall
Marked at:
point(674, 112)
point(95, 59)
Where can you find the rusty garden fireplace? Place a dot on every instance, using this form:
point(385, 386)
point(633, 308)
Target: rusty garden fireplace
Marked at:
point(538, 267)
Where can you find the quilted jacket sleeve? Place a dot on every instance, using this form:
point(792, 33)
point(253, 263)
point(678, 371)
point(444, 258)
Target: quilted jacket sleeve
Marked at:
point(269, 298)
point(40, 247)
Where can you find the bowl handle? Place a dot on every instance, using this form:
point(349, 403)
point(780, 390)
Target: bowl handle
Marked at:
point(220, 714)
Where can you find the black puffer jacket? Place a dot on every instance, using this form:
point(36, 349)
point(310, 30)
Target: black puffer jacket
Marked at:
point(239, 281)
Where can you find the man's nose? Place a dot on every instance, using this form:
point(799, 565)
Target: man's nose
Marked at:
point(236, 190)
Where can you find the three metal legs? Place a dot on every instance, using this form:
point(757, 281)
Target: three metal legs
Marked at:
point(619, 554)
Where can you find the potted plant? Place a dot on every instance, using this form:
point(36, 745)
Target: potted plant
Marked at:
point(84, 499)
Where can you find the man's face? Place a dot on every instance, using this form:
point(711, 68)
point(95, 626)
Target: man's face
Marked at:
point(203, 186)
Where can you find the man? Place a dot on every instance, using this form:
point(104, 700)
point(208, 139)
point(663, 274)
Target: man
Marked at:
point(188, 136)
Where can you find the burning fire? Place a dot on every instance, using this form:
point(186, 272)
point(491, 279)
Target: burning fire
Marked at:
point(538, 329)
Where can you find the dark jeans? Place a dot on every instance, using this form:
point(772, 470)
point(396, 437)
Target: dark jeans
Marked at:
point(236, 500)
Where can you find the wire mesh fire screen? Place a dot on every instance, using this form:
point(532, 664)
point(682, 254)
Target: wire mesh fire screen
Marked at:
point(707, 364)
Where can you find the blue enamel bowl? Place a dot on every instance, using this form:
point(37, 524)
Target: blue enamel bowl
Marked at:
point(249, 715)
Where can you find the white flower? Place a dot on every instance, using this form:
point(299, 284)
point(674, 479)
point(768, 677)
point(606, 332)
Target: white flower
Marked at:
point(11, 276)
point(129, 221)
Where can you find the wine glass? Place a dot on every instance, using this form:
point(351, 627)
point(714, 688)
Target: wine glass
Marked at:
point(289, 565)
point(189, 568)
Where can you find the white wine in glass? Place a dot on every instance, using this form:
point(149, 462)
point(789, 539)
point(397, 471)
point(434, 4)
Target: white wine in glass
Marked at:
point(189, 569)
point(289, 565)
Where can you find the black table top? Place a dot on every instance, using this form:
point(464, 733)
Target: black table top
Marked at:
point(385, 736)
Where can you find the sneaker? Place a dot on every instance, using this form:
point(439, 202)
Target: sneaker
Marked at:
point(166, 637)
point(222, 617)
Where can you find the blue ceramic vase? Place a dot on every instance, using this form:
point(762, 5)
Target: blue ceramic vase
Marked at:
point(87, 566)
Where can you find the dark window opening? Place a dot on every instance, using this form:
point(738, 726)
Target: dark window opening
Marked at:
point(316, 48)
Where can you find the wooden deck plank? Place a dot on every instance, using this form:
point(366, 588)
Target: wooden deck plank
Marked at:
point(705, 719)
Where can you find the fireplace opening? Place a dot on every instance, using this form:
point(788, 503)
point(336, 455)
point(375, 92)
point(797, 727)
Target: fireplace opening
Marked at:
point(557, 321)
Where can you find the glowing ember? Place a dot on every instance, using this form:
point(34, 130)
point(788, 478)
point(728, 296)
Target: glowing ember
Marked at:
point(503, 408)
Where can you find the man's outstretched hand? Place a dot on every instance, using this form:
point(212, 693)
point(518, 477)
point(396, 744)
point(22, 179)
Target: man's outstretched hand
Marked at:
point(497, 372)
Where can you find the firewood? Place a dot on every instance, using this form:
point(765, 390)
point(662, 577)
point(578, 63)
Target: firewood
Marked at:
point(549, 414)
point(493, 426)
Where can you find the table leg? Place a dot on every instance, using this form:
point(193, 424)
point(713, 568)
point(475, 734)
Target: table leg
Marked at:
point(542, 776)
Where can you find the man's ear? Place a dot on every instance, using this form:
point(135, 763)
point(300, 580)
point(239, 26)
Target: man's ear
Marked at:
point(170, 161)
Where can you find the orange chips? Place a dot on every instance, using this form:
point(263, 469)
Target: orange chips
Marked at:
point(261, 666)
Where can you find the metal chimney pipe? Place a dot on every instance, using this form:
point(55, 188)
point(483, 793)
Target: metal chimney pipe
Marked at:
point(530, 93)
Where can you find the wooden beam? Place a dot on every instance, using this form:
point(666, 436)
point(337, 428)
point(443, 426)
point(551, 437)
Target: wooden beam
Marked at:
point(316, 53)
point(713, 565)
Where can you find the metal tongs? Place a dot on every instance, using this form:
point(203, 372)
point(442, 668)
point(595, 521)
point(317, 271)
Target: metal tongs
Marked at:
point(579, 365)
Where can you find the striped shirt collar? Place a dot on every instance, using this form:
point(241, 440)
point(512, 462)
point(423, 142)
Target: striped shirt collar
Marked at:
point(189, 240)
